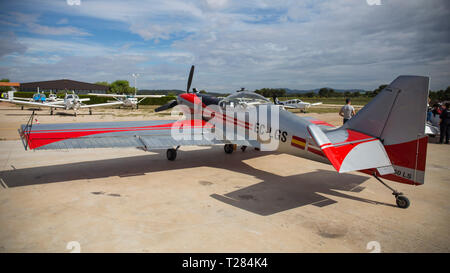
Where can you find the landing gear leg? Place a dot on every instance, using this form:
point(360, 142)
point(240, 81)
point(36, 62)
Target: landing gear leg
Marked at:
point(172, 153)
point(90, 111)
point(51, 111)
point(228, 148)
point(401, 200)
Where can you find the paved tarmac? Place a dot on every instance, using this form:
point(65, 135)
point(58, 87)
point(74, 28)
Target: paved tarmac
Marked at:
point(128, 200)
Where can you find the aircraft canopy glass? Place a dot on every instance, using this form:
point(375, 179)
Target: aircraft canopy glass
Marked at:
point(244, 98)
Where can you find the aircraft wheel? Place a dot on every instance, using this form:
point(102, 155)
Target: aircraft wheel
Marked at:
point(171, 154)
point(228, 148)
point(22, 107)
point(51, 112)
point(402, 201)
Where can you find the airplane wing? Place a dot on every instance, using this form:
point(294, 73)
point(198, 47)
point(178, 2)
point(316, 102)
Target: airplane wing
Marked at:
point(101, 104)
point(155, 134)
point(107, 95)
point(149, 96)
point(39, 104)
point(317, 103)
point(26, 99)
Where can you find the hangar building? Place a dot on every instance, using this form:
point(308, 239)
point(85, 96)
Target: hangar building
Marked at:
point(64, 85)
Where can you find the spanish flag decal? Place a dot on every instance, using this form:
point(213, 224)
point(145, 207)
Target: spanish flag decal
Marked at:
point(298, 142)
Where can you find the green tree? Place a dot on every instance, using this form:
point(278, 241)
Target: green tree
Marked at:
point(378, 90)
point(103, 83)
point(271, 92)
point(121, 86)
point(323, 92)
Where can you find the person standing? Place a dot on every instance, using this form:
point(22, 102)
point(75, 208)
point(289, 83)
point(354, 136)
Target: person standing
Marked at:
point(347, 111)
point(445, 124)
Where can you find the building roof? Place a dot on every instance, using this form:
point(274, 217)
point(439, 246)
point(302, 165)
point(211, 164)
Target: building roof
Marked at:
point(16, 84)
point(62, 84)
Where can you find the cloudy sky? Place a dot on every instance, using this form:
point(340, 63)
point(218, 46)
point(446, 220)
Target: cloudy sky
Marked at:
point(252, 44)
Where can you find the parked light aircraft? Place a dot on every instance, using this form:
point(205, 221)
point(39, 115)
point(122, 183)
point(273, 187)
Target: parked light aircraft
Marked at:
point(128, 100)
point(385, 139)
point(70, 102)
point(295, 104)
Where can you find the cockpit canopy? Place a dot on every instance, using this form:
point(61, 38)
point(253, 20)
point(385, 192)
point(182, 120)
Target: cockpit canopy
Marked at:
point(71, 96)
point(294, 101)
point(244, 98)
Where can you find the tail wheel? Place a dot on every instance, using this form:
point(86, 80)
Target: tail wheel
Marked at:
point(228, 148)
point(171, 154)
point(402, 201)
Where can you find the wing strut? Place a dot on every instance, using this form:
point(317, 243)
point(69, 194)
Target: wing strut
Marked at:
point(24, 132)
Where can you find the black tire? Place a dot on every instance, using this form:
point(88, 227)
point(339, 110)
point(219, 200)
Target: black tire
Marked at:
point(228, 148)
point(402, 202)
point(171, 154)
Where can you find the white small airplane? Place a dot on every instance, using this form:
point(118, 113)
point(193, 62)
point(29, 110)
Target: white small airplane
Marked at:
point(295, 104)
point(128, 100)
point(70, 102)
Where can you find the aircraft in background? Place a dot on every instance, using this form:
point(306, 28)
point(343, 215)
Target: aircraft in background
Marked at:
point(37, 97)
point(386, 139)
point(128, 100)
point(70, 102)
point(295, 104)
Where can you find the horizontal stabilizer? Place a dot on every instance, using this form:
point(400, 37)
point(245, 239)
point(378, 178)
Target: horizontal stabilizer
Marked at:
point(349, 150)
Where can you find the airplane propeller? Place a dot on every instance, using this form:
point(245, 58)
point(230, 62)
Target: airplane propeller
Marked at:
point(174, 103)
point(191, 74)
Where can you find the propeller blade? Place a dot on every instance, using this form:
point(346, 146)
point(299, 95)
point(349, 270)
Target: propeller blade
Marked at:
point(166, 106)
point(191, 74)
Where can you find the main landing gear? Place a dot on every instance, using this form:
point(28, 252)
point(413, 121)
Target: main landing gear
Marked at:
point(401, 200)
point(172, 153)
point(229, 148)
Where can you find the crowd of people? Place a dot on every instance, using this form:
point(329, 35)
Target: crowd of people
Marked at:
point(439, 116)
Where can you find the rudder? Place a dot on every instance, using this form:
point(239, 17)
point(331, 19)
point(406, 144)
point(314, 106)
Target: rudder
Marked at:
point(397, 116)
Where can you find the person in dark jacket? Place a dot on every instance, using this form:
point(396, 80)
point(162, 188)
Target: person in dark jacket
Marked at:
point(445, 123)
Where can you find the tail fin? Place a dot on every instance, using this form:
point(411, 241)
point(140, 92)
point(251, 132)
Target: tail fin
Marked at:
point(275, 100)
point(397, 117)
point(11, 95)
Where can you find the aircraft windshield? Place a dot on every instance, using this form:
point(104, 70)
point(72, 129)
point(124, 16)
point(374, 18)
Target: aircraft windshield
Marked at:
point(244, 98)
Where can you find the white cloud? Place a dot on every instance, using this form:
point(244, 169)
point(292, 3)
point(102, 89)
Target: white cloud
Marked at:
point(294, 44)
point(30, 21)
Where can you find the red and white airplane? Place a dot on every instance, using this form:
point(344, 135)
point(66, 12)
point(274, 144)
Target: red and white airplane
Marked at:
point(386, 139)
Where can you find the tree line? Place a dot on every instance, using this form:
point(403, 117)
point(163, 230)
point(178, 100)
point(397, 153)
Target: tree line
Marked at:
point(123, 87)
point(439, 95)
